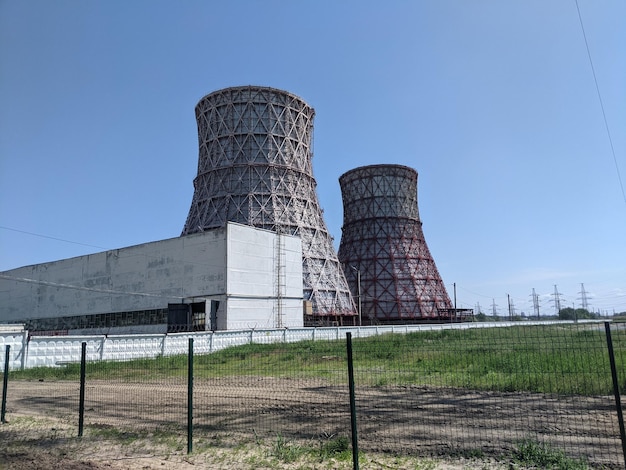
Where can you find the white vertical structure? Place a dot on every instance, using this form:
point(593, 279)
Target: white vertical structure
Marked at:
point(255, 168)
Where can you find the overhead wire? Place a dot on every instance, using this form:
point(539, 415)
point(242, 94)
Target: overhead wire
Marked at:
point(606, 124)
point(187, 262)
point(51, 238)
point(83, 288)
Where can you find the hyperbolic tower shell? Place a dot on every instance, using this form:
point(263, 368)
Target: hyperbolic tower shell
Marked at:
point(382, 241)
point(255, 168)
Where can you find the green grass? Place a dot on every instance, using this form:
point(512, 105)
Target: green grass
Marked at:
point(559, 359)
point(563, 359)
point(536, 455)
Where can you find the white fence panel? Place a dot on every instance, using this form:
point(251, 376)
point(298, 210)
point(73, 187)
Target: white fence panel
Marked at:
point(300, 334)
point(126, 347)
point(328, 334)
point(16, 342)
point(227, 339)
point(177, 343)
point(50, 351)
point(268, 336)
point(203, 343)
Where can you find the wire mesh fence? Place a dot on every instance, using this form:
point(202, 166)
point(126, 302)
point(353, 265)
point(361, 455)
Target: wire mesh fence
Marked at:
point(487, 390)
point(476, 391)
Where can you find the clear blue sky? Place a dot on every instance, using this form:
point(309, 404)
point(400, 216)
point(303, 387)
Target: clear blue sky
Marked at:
point(493, 102)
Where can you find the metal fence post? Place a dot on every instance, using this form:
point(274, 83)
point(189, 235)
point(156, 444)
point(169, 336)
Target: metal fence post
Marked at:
point(5, 384)
point(190, 397)
point(355, 439)
point(618, 403)
point(81, 403)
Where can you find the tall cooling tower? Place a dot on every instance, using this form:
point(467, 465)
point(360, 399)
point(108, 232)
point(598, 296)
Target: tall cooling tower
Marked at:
point(383, 247)
point(255, 168)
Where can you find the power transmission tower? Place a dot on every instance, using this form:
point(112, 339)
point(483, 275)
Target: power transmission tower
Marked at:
point(535, 303)
point(557, 300)
point(583, 296)
point(494, 312)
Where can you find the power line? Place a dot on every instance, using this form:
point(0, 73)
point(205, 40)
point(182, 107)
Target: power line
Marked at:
point(52, 238)
point(190, 262)
point(89, 289)
point(606, 124)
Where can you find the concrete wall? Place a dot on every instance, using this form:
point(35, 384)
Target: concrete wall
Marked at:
point(235, 262)
point(135, 278)
point(264, 280)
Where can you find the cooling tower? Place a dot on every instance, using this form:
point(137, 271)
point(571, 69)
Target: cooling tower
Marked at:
point(255, 168)
point(382, 243)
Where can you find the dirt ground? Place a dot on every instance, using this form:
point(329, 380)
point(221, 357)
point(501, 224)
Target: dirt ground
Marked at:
point(249, 423)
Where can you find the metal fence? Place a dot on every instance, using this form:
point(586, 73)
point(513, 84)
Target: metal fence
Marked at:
point(427, 393)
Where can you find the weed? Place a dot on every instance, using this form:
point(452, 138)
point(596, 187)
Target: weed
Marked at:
point(426, 464)
point(285, 451)
point(337, 447)
point(531, 453)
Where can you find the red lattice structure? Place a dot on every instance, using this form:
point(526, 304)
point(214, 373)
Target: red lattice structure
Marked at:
point(383, 247)
point(255, 168)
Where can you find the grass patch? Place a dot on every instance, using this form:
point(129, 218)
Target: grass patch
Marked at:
point(335, 447)
point(286, 451)
point(534, 454)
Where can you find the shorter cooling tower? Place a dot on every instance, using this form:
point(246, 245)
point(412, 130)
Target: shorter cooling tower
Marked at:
point(385, 256)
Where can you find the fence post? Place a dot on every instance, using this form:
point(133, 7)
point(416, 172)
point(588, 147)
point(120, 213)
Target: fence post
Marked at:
point(81, 403)
point(355, 439)
point(618, 404)
point(102, 345)
point(25, 342)
point(5, 384)
point(190, 397)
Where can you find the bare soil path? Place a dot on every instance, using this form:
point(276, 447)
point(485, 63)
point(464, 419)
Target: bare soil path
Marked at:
point(237, 421)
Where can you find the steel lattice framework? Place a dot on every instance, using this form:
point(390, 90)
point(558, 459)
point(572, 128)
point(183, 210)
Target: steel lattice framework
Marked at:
point(382, 241)
point(255, 168)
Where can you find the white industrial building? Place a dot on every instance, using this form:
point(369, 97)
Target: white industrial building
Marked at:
point(234, 277)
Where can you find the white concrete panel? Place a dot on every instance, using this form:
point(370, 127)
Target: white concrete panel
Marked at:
point(259, 263)
point(269, 336)
point(292, 259)
point(52, 351)
point(250, 257)
point(245, 313)
point(123, 348)
point(227, 339)
point(17, 344)
point(328, 334)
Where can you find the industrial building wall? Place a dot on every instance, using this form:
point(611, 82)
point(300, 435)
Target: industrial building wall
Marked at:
point(264, 280)
point(255, 276)
point(141, 277)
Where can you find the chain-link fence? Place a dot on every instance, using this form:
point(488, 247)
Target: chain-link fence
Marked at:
point(475, 391)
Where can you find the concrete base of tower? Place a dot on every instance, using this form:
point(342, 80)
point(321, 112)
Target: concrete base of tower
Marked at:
point(320, 321)
point(450, 315)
